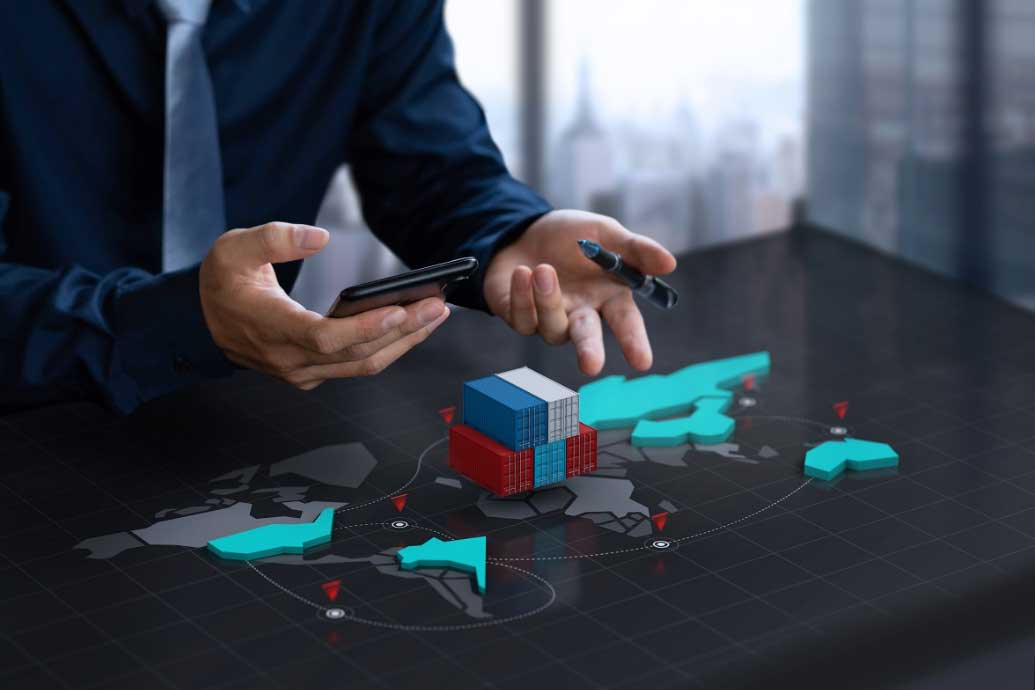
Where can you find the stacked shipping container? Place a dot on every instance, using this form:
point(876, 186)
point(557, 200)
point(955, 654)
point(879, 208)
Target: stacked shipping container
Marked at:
point(520, 430)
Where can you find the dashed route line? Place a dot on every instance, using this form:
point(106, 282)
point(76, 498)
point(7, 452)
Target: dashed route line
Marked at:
point(406, 484)
point(696, 535)
point(783, 418)
point(469, 626)
point(504, 561)
point(449, 537)
point(349, 615)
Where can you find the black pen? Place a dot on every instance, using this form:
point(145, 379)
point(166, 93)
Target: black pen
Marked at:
point(655, 290)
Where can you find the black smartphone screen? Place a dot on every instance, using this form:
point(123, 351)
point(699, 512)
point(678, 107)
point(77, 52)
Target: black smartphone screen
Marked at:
point(404, 288)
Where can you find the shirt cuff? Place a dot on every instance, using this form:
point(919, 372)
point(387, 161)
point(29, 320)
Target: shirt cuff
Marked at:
point(162, 341)
point(470, 293)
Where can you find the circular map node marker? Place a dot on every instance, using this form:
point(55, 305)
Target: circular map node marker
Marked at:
point(398, 525)
point(660, 544)
point(838, 430)
point(334, 614)
point(748, 402)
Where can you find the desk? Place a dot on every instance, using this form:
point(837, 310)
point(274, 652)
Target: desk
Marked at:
point(860, 582)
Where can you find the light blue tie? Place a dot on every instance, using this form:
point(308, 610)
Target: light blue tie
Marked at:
point(193, 215)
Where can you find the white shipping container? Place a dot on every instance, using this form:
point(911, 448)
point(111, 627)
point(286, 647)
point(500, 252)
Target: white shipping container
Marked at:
point(562, 402)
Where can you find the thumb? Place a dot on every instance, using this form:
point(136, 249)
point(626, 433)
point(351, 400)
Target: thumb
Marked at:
point(272, 243)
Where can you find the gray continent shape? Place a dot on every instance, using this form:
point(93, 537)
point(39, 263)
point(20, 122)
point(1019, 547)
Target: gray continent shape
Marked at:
point(195, 531)
point(607, 501)
point(730, 451)
point(454, 587)
point(342, 465)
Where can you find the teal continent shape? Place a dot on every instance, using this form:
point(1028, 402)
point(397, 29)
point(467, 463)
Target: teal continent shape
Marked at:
point(829, 459)
point(273, 540)
point(707, 424)
point(615, 402)
point(465, 555)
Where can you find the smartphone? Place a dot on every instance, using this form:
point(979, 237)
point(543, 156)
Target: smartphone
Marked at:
point(405, 288)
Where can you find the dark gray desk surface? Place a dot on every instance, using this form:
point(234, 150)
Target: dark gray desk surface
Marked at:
point(862, 582)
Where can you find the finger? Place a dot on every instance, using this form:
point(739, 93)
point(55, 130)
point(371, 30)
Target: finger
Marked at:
point(553, 322)
point(337, 339)
point(626, 322)
point(375, 363)
point(271, 243)
point(522, 304)
point(497, 292)
point(426, 313)
point(588, 337)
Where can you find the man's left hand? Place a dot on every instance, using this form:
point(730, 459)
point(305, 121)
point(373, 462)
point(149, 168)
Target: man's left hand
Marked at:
point(542, 283)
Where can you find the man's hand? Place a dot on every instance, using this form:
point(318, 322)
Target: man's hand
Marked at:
point(543, 284)
point(257, 325)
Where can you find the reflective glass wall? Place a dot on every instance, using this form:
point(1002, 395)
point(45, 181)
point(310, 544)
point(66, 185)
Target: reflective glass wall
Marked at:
point(921, 131)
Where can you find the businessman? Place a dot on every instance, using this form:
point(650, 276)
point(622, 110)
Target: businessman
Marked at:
point(135, 133)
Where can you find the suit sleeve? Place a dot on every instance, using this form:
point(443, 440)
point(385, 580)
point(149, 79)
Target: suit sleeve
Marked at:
point(120, 338)
point(432, 181)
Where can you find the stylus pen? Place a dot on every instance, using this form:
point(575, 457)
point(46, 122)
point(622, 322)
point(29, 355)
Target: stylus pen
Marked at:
point(654, 290)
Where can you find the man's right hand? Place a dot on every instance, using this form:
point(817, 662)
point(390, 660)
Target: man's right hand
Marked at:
point(257, 325)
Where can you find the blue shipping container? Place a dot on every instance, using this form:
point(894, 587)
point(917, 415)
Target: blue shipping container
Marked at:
point(505, 413)
point(549, 463)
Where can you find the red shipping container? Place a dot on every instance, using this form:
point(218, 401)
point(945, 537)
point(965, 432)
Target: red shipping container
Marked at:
point(581, 452)
point(488, 463)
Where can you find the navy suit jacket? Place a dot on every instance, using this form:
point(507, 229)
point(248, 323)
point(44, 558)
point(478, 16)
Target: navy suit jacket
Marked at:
point(300, 88)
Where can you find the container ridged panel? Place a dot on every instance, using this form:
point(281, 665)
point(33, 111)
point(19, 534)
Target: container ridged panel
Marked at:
point(504, 413)
point(489, 464)
point(562, 402)
point(581, 452)
point(549, 463)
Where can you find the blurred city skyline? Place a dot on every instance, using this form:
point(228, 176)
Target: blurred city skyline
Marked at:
point(684, 119)
point(920, 124)
point(659, 112)
point(648, 60)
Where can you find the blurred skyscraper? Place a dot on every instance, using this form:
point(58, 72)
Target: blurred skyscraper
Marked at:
point(584, 160)
point(643, 102)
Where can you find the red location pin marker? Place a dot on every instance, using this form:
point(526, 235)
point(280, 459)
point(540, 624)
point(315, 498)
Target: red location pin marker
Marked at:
point(447, 413)
point(659, 520)
point(399, 502)
point(841, 408)
point(749, 381)
point(331, 589)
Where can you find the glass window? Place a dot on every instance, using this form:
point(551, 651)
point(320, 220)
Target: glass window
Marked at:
point(683, 118)
point(485, 35)
point(922, 132)
point(1010, 118)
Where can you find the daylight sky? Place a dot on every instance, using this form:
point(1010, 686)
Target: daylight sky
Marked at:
point(723, 59)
